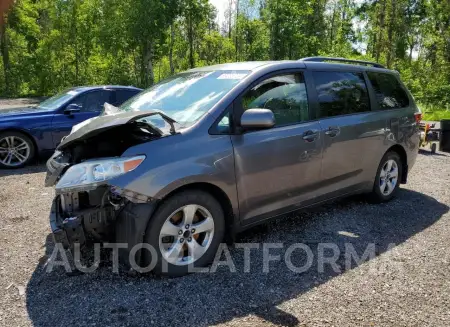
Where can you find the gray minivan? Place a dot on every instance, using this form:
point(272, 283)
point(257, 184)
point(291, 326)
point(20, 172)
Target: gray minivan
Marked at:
point(204, 154)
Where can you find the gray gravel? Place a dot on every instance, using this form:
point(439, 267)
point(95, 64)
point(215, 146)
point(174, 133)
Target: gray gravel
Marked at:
point(19, 102)
point(407, 284)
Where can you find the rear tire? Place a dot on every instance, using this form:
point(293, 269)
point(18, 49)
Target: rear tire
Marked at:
point(387, 180)
point(174, 243)
point(16, 150)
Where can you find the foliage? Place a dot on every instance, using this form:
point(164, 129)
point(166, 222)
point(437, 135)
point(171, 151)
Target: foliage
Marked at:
point(48, 45)
point(434, 112)
point(436, 115)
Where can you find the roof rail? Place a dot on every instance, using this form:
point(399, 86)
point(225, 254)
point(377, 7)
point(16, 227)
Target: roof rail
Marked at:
point(362, 62)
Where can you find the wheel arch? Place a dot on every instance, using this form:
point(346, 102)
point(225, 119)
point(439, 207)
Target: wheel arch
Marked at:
point(220, 196)
point(24, 132)
point(397, 148)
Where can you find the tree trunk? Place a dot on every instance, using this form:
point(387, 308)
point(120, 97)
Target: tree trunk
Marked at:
point(5, 55)
point(236, 32)
point(147, 66)
point(4, 48)
point(191, 41)
point(229, 19)
point(333, 17)
point(75, 39)
point(135, 68)
point(172, 36)
point(4, 6)
point(380, 30)
point(390, 46)
point(411, 48)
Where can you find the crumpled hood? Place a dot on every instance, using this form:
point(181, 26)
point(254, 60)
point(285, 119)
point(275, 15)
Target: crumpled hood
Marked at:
point(99, 124)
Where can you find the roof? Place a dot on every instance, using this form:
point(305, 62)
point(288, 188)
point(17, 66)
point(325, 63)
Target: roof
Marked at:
point(253, 65)
point(244, 65)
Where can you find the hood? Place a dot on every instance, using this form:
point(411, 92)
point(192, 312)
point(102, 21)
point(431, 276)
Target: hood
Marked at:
point(102, 123)
point(25, 111)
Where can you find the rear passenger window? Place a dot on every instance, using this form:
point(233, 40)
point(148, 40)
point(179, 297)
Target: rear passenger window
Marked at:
point(285, 95)
point(341, 93)
point(389, 92)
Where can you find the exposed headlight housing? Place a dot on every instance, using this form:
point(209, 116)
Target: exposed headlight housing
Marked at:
point(90, 174)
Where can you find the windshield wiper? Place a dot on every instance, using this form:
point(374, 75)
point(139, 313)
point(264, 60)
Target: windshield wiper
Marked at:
point(109, 109)
point(170, 121)
point(166, 118)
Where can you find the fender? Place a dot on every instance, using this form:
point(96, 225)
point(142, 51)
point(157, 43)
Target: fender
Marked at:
point(160, 174)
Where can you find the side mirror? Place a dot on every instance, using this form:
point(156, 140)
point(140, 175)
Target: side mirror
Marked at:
point(72, 108)
point(257, 119)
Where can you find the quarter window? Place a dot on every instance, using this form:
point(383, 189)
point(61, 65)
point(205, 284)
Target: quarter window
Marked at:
point(285, 95)
point(388, 91)
point(341, 93)
point(223, 126)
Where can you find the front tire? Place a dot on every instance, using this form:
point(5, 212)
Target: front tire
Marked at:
point(185, 231)
point(387, 180)
point(16, 150)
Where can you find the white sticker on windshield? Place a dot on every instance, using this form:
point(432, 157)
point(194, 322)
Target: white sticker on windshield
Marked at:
point(232, 76)
point(72, 93)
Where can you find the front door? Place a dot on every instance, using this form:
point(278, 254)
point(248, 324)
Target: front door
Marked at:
point(277, 168)
point(90, 104)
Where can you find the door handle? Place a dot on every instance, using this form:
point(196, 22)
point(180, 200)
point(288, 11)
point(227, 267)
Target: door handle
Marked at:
point(311, 135)
point(333, 131)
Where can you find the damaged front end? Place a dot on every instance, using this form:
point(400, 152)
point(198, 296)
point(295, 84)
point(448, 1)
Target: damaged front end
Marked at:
point(87, 208)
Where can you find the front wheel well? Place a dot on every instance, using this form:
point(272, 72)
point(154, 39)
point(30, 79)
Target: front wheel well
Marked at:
point(220, 196)
point(403, 157)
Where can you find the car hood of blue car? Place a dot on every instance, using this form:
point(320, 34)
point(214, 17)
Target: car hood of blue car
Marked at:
point(22, 112)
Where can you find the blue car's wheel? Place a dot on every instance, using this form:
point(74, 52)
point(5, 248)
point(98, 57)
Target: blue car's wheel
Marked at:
point(16, 150)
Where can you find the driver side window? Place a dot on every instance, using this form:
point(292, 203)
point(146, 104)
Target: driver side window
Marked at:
point(92, 101)
point(284, 94)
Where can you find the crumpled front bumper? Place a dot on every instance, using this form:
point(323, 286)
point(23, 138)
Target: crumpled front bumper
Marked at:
point(85, 224)
point(56, 164)
point(66, 231)
point(129, 225)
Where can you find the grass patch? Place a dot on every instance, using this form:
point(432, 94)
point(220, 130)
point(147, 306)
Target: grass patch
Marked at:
point(436, 115)
point(433, 112)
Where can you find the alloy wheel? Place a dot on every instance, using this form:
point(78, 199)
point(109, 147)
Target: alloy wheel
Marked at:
point(14, 151)
point(186, 235)
point(388, 177)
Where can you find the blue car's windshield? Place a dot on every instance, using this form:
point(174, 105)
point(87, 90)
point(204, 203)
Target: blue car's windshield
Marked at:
point(56, 101)
point(186, 97)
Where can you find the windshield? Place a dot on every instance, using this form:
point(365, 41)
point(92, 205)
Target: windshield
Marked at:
point(186, 97)
point(56, 101)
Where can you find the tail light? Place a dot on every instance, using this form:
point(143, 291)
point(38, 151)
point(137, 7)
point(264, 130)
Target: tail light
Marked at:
point(418, 117)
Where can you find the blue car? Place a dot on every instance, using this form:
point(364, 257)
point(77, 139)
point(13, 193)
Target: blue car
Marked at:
point(31, 131)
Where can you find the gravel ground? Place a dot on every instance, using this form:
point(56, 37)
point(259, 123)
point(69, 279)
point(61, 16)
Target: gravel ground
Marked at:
point(406, 284)
point(19, 102)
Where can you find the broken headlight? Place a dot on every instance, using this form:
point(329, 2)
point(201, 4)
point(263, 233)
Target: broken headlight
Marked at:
point(90, 174)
